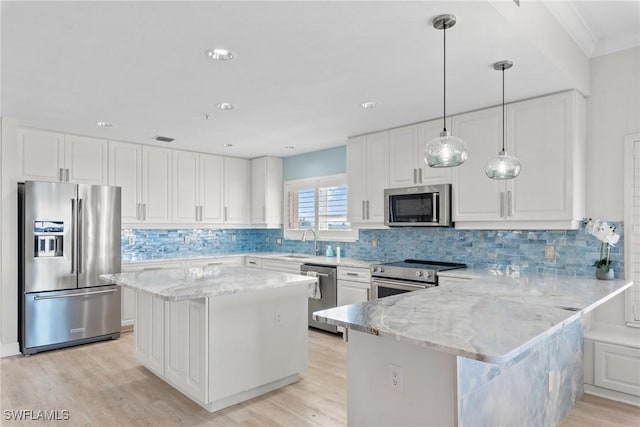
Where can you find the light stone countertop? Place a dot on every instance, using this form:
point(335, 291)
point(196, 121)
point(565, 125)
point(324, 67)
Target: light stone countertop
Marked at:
point(284, 256)
point(178, 284)
point(491, 319)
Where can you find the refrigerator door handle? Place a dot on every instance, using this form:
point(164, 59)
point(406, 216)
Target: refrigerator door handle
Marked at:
point(106, 291)
point(73, 234)
point(79, 221)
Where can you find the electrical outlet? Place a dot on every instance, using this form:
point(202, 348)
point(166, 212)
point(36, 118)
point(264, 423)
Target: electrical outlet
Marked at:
point(395, 378)
point(187, 240)
point(278, 241)
point(266, 239)
point(233, 237)
point(132, 240)
point(278, 318)
point(374, 243)
point(549, 252)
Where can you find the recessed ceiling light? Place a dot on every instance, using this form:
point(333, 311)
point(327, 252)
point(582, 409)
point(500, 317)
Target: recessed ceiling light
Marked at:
point(219, 54)
point(225, 106)
point(104, 124)
point(369, 104)
point(290, 147)
point(228, 145)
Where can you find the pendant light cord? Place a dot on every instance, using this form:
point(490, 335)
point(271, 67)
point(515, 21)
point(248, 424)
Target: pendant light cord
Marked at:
point(504, 117)
point(444, 106)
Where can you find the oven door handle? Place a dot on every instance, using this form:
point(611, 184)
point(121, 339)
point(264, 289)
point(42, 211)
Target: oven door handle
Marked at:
point(399, 285)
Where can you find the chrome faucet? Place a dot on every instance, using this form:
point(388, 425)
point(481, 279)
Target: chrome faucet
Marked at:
point(315, 240)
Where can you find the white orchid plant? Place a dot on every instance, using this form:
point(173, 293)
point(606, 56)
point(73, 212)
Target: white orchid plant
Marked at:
point(607, 235)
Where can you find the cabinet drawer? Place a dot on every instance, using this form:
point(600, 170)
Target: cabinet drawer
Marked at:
point(253, 262)
point(355, 274)
point(214, 261)
point(617, 368)
point(284, 266)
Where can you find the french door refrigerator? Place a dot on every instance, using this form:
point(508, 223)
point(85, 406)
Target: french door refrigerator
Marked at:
point(68, 235)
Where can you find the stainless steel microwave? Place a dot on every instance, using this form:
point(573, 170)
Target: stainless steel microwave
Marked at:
point(421, 206)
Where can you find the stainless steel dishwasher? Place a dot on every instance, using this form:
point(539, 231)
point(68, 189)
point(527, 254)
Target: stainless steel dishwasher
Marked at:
point(327, 278)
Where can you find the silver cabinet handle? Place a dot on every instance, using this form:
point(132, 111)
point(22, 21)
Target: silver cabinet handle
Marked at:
point(420, 175)
point(225, 214)
point(315, 273)
point(197, 213)
point(502, 204)
point(138, 211)
point(509, 204)
point(368, 216)
point(144, 211)
point(363, 202)
point(80, 235)
point(66, 175)
point(74, 221)
point(368, 294)
point(60, 174)
point(415, 176)
point(252, 262)
point(106, 291)
point(352, 274)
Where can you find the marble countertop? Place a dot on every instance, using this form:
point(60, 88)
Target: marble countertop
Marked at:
point(179, 284)
point(490, 318)
point(285, 256)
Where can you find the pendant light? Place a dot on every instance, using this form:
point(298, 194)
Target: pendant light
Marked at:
point(504, 166)
point(446, 150)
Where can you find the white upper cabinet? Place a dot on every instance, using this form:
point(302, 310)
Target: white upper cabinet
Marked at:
point(367, 177)
point(197, 187)
point(125, 171)
point(266, 192)
point(237, 191)
point(52, 156)
point(547, 136)
point(406, 156)
point(144, 174)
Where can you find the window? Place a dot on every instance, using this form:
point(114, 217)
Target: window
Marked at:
point(319, 204)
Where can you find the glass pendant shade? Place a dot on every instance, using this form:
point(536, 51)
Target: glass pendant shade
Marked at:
point(445, 151)
point(503, 167)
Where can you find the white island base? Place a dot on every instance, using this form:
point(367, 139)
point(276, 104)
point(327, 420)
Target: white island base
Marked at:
point(394, 383)
point(224, 349)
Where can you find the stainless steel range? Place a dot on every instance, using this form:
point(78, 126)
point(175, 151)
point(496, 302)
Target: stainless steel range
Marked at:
point(405, 276)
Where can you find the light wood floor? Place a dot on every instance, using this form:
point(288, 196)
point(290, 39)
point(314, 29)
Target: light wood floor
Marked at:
point(103, 385)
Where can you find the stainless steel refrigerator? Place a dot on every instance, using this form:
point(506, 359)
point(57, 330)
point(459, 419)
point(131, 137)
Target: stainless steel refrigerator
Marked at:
point(68, 235)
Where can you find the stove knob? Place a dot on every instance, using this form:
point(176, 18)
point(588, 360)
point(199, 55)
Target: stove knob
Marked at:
point(374, 269)
point(427, 274)
point(418, 273)
point(381, 269)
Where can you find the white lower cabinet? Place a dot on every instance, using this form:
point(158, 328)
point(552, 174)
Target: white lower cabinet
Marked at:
point(617, 368)
point(186, 342)
point(149, 332)
point(354, 286)
point(280, 265)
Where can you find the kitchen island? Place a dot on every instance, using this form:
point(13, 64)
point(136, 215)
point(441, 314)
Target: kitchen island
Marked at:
point(220, 334)
point(479, 352)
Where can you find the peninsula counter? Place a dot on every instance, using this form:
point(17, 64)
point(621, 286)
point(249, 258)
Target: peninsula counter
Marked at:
point(483, 351)
point(220, 334)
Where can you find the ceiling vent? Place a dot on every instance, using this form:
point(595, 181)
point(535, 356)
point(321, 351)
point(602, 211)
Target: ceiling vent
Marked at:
point(163, 139)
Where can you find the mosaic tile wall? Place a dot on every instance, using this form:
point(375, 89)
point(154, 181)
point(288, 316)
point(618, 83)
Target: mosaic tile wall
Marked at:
point(575, 251)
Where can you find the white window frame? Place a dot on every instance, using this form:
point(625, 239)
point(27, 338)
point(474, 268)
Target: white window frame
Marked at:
point(632, 295)
point(324, 235)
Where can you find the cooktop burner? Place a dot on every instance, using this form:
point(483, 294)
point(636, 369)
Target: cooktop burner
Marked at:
point(413, 269)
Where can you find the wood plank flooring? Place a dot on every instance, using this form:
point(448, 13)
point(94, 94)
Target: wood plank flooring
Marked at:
point(103, 385)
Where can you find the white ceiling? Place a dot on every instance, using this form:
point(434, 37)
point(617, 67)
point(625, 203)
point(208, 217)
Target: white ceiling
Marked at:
point(301, 70)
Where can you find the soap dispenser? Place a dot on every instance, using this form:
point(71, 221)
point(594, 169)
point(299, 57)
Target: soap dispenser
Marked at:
point(329, 251)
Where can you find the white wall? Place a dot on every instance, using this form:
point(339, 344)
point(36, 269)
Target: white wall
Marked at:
point(613, 111)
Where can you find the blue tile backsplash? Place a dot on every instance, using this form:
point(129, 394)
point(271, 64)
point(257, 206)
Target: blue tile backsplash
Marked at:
point(575, 251)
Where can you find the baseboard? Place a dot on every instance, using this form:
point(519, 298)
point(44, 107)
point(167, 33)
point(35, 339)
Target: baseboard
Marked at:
point(10, 349)
point(612, 395)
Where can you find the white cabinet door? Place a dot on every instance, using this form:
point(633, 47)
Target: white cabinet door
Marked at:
point(377, 175)
point(266, 191)
point(86, 160)
point(211, 189)
point(156, 184)
point(149, 331)
point(428, 175)
point(186, 329)
point(125, 171)
point(186, 178)
point(403, 166)
point(541, 133)
point(40, 155)
point(475, 196)
point(367, 177)
point(352, 292)
point(237, 182)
